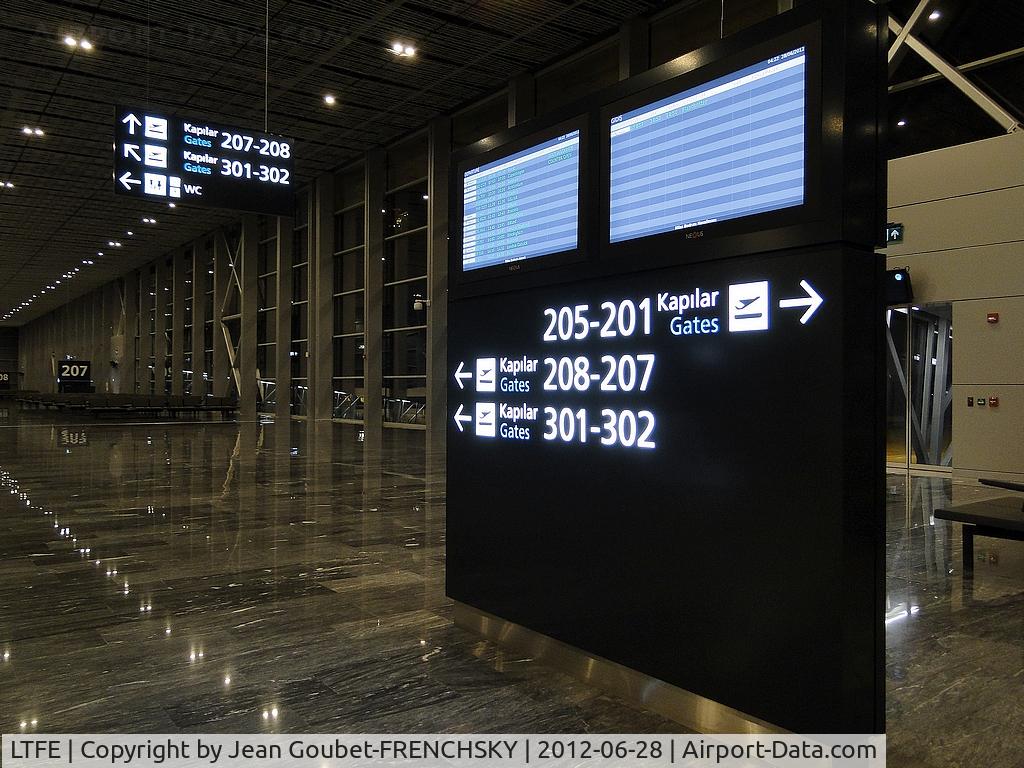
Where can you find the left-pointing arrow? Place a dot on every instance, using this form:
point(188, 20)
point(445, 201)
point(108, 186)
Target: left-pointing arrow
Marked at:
point(460, 374)
point(460, 417)
point(132, 150)
point(127, 180)
point(812, 301)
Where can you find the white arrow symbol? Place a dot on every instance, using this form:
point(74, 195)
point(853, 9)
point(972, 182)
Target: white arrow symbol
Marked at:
point(127, 180)
point(461, 417)
point(460, 375)
point(132, 121)
point(812, 302)
point(132, 150)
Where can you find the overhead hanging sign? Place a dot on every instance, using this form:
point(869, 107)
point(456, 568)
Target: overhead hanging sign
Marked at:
point(185, 160)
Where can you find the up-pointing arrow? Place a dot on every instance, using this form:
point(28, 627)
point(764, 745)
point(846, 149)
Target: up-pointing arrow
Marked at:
point(127, 180)
point(132, 122)
point(812, 301)
point(132, 150)
point(460, 417)
point(460, 374)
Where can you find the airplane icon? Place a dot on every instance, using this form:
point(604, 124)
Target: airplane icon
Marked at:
point(486, 421)
point(743, 304)
point(486, 374)
point(748, 306)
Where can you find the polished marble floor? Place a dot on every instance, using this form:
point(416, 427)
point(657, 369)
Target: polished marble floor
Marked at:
point(217, 577)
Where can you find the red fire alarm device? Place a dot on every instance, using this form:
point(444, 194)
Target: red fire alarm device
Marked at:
point(993, 317)
point(993, 402)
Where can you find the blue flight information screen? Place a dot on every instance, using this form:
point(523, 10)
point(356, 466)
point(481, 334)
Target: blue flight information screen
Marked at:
point(729, 148)
point(522, 206)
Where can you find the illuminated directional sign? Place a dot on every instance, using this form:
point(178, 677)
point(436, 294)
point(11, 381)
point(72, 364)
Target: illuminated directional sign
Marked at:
point(183, 160)
point(521, 392)
point(650, 461)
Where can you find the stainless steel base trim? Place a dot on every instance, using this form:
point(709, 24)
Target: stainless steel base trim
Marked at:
point(690, 710)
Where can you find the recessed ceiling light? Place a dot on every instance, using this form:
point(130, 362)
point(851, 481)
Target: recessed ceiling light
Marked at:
point(403, 49)
point(130, 233)
point(70, 41)
point(171, 205)
point(38, 131)
point(330, 100)
point(99, 253)
point(901, 123)
point(934, 15)
point(86, 45)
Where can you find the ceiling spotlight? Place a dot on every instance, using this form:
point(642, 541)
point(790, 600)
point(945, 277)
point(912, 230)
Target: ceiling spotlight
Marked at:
point(130, 233)
point(99, 253)
point(38, 131)
point(86, 45)
point(171, 205)
point(409, 51)
point(403, 49)
point(396, 47)
point(330, 100)
point(934, 16)
point(27, 131)
point(70, 41)
point(901, 123)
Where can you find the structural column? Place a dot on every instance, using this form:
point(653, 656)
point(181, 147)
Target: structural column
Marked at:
point(178, 324)
point(320, 404)
point(247, 387)
point(200, 285)
point(283, 318)
point(634, 47)
point(439, 154)
point(221, 275)
point(376, 173)
point(522, 99)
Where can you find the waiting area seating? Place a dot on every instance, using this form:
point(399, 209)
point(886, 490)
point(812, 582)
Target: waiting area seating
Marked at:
point(151, 406)
point(1000, 518)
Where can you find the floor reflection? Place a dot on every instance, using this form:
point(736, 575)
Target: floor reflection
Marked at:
point(955, 645)
point(245, 578)
point(278, 577)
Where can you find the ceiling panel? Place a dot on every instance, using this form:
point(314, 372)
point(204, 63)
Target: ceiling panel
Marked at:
point(208, 58)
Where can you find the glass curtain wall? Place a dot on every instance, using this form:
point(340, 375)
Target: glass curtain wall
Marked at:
point(168, 310)
point(266, 312)
point(189, 325)
point(300, 306)
point(207, 385)
point(405, 285)
point(140, 307)
point(919, 342)
point(348, 376)
point(151, 304)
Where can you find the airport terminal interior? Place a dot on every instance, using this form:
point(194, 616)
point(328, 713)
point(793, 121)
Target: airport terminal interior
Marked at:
point(232, 400)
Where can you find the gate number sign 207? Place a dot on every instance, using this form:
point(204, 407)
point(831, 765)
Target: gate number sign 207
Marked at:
point(74, 370)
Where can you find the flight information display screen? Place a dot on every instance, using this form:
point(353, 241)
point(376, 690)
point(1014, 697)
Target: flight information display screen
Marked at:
point(728, 148)
point(522, 206)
